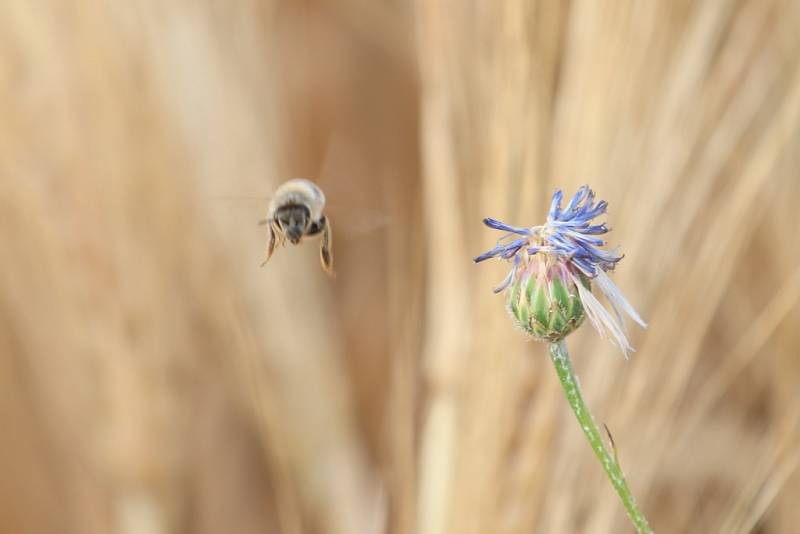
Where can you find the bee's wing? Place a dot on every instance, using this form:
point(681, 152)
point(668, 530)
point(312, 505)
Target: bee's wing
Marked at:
point(352, 221)
point(353, 203)
point(238, 209)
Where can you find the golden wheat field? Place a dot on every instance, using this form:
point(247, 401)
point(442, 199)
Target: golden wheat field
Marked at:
point(155, 380)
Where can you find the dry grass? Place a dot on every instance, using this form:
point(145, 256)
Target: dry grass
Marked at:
point(153, 379)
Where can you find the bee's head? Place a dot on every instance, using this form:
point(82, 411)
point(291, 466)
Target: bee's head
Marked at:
point(293, 220)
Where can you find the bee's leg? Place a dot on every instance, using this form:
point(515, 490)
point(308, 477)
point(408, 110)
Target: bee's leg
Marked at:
point(316, 228)
point(273, 237)
point(325, 253)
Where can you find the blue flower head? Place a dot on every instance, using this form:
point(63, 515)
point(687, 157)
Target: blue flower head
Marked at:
point(553, 267)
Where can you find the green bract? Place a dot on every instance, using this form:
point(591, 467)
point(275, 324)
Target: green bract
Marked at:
point(547, 309)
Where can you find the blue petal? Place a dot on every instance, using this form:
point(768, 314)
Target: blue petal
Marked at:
point(586, 239)
point(488, 254)
point(564, 245)
point(589, 200)
point(497, 225)
point(511, 252)
point(595, 229)
point(595, 211)
point(608, 256)
point(555, 205)
point(585, 266)
point(579, 196)
point(503, 251)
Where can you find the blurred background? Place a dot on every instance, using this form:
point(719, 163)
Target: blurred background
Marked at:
point(155, 380)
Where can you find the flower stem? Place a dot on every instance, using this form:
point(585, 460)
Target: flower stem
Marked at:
point(569, 382)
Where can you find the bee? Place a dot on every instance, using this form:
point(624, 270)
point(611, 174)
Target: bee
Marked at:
point(295, 213)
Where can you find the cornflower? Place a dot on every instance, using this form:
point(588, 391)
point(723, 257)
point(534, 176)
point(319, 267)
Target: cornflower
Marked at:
point(553, 269)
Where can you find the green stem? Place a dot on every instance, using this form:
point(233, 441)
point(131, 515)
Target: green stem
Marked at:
point(566, 374)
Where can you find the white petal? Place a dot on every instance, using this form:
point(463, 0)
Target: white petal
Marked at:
point(616, 298)
point(506, 281)
point(601, 319)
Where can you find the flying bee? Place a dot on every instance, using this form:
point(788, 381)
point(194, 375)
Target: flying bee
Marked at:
point(295, 213)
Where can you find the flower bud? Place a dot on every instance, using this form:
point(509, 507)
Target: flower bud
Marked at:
point(547, 304)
